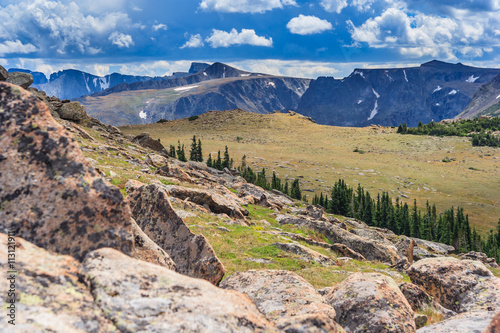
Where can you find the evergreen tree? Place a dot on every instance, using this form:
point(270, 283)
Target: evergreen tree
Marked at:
point(194, 150)
point(226, 163)
point(415, 223)
point(209, 161)
point(218, 163)
point(285, 190)
point(295, 192)
point(171, 152)
point(199, 152)
point(181, 155)
point(261, 179)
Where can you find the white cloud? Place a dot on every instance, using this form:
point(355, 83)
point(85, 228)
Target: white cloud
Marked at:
point(308, 25)
point(121, 40)
point(64, 26)
point(333, 5)
point(9, 47)
point(194, 41)
point(419, 35)
point(244, 6)
point(221, 38)
point(160, 26)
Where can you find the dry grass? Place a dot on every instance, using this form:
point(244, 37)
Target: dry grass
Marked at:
point(402, 165)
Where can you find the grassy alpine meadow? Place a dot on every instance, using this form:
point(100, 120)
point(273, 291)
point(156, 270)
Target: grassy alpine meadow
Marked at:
point(446, 171)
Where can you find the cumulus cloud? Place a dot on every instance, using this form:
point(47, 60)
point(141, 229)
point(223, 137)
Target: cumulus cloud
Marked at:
point(418, 34)
point(121, 40)
point(333, 5)
point(221, 38)
point(244, 6)
point(308, 25)
point(10, 47)
point(159, 26)
point(194, 41)
point(64, 26)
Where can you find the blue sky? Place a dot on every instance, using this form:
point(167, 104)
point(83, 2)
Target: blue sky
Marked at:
point(287, 37)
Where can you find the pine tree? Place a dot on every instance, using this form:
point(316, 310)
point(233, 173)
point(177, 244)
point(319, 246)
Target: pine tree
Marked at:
point(295, 192)
point(226, 163)
point(285, 190)
point(414, 226)
point(199, 152)
point(218, 163)
point(171, 152)
point(209, 161)
point(194, 150)
point(261, 179)
point(181, 155)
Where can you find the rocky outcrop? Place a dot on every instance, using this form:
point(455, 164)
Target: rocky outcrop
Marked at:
point(50, 194)
point(371, 302)
point(284, 297)
point(306, 253)
point(369, 249)
point(459, 285)
point(405, 246)
point(482, 257)
point(142, 297)
point(216, 202)
point(3, 74)
point(73, 111)
point(419, 300)
point(494, 326)
point(475, 321)
point(145, 140)
point(262, 197)
point(50, 296)
point(191, 253)
point(174, 171)
point(20, 79)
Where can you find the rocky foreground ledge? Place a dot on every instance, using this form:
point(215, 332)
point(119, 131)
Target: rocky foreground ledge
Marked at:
point(89, 259)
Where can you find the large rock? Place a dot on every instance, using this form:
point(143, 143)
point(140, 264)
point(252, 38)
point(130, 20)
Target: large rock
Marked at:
point(405, 246)
point(141, 297)
point(306, 253)
point(3, 74)
point(146, 141)
point(347, 252)
point(50, 194)
point(284, 297)
point(20, 79)
point(459, 285)
point(191, 253)
point(435, 247)
point(73, 111)
point(50, 296)
point(216, 202)
point(371, 250)
point(371, 302)
point(174, 171)
point(468, 322)
point(420, 301)
point(482, 257)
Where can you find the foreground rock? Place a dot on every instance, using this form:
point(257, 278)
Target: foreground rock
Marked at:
point(20, 79)
point(371, 302)
point(142, 297)
point(73, 111)
point(459, 285)
point(285, 298)
point(3, 73)
point(49, 193)
point(494, 326)
point(369, 249)
point(482, 257)
point(420, 301)
point(468, 322)
point(191, 253)
point(50, 295)
point(306, 253)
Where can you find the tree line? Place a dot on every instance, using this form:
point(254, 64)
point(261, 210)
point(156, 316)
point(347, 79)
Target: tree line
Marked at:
point(478, 129)
point(451, 227)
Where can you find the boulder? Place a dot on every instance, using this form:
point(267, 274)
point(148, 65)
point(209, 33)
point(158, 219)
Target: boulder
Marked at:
point(373, 235)
point(405, 246)
point(482, 257)
point(459, 285)
point(174, 171)
point(306, 253)
point(216, 202)
point(192, 254)
point(419, 300)
point(50, 296)
point(371, 302)
point(73, 111)
point(283, 297)
point(20, 79)
point(468, 322)
point(146, 141)
point(142, 297)
point(3, 74)
point(156, 160)
point(50, 194)
point(276, 200)
point(347, 252)
point(369, 249)
point(435, 247)
point(494, 326)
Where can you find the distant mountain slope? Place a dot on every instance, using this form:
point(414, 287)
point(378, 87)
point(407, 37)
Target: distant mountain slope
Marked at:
point(486, 101)
point(434, 91)
point(218, 87)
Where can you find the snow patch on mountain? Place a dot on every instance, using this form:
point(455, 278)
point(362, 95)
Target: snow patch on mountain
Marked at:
point(406, 78)
point(360, 73)
point(360, 101)
point(376, 94)
point(143, 115)
point(185, 88)
point(271, 84)
point(472, 79)
point(453, 92)
point(437, 89)
point(374, 111)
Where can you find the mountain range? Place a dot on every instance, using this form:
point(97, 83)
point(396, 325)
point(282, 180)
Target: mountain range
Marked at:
point(434, 91)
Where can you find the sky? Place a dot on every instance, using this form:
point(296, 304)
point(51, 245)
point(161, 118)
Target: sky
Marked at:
point(303, 38)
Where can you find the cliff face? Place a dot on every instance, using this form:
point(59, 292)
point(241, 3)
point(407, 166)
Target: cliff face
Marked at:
point(433, 91)
point(486, 101)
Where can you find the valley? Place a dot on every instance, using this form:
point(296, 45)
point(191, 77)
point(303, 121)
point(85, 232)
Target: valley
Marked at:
point(405, 166)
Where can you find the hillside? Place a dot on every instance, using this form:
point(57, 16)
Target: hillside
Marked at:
point(405, 166)
point(486, 101)
point(434, 91)
point(218, 87)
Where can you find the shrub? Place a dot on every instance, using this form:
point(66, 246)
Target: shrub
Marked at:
point(192, 118)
